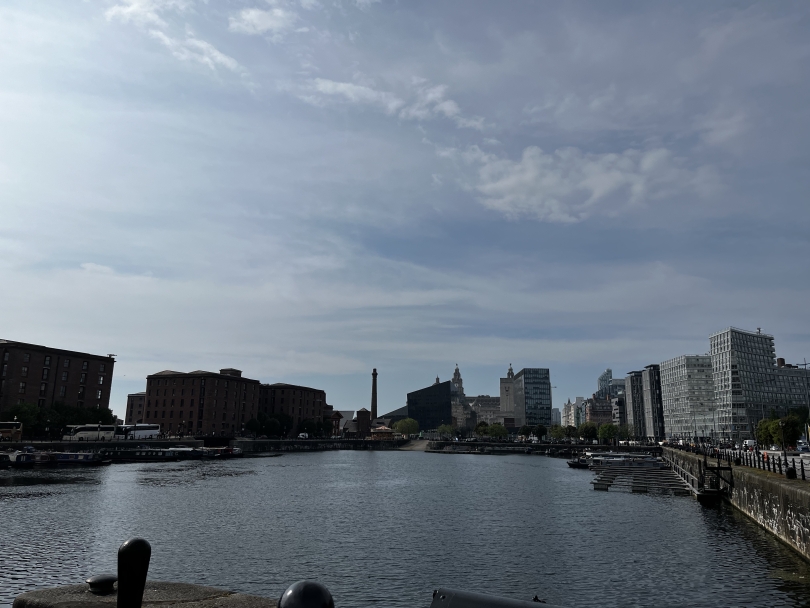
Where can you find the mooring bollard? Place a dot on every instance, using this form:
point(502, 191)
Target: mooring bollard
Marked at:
point(133, 565)
point(801, 464)
point(306, 594)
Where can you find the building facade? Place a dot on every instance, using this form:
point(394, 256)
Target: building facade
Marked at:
point(634, 403)
point(749, 384)
point(31, 373)
point(135, 408)
point(556, 416)
point(298, 402)
point(508, 393)
point(619, 411)
point(487, 409)
point(653, 408)
point(598, 411)
point(687, 397)
point(431, 407)
point(532, 396)
point(201, 402)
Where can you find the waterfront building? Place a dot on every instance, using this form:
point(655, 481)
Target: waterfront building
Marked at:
point(432, 406)
point(508, 393)
point(556, 416)
point(618, 407)
point(487, 409)
point(567, 418)
point(135, 408)
point(653, 408)
point(298, 402)
point(532, 396)
point(634, 403)
point(598, 411)
point(687, 397)
point(32, 373)
point(603, 382)
point(201, 402)
point(748, 382)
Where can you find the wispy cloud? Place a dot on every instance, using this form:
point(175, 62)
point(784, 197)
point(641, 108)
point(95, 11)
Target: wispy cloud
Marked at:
point(275, 21)
point(569, 185)
point(145, 12)
point(196, 50)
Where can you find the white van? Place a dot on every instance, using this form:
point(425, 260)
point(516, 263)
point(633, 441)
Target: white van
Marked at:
point(749, 444)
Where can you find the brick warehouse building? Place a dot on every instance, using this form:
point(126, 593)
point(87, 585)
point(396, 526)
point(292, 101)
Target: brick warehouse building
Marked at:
point(200, 402)
point(32, 373)
point(298, 402)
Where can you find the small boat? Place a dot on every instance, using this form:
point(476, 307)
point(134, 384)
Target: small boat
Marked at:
point(578, 463)
point(29, 457)
point(87, 459)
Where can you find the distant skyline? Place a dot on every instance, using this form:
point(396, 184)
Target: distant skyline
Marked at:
point(308, 189)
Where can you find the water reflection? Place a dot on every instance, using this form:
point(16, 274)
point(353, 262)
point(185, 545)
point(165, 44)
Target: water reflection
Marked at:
point(389, 527)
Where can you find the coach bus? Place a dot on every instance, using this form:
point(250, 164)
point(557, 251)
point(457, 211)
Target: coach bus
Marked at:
point(137, 431)
point(11, 431)
point(89, 432)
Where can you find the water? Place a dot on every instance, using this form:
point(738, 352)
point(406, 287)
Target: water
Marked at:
point(386, 528)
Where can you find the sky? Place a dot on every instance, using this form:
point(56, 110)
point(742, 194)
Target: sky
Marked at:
point(309, 189)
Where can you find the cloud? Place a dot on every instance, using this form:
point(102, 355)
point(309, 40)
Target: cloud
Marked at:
point(321, 89)
point(570, 185)
point(431, 101)
point(276, 21)
point(145, 12)
point(197, 50)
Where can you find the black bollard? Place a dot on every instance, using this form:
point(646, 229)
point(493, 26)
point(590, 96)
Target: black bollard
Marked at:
point(779, 462)
point(133, 564)
point(801, 464)
point(306, 594)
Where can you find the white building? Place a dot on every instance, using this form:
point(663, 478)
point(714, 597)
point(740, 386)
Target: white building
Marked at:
point(748, 384)
point(687, 396)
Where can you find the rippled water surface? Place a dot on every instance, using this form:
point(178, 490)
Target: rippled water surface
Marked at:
point(386, 528)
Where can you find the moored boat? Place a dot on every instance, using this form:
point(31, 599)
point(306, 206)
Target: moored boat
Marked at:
point(140, 454)
point(578, 463)
point(78, 459)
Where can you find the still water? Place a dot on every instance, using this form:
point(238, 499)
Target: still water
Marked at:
point(386, 528)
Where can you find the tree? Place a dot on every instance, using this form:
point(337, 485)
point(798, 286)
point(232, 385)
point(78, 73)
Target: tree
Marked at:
point(570, 431)
point(557, 432)
point(764, 433)
point(626, 432)
point(607, 432)
point(540, 431)
point(54, 418)
point(588, 431)
point(790, 430)
point(482, 428)
point(445, 430)
point(497, 430)
point(525, 430)
point(407, 426)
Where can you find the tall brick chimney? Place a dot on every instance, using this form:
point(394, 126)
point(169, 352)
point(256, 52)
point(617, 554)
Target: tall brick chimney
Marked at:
point(374, 395)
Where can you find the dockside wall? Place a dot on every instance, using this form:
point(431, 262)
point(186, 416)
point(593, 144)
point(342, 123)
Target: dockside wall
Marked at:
point(780, 505)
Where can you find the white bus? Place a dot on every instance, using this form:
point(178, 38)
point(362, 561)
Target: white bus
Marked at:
point(137, 431)
point(89, 432)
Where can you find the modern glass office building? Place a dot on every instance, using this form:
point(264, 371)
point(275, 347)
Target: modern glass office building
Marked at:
point(532, 395)
point(432, 407)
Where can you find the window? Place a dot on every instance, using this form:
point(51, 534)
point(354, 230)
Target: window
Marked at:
point(43, 388)
point(64, 376)
point(101, 379)
point(164, 414)
point(66, 363)
point(84, 366)
point(47, 361)
point(5, 356)
point(101, 368)
point(81, 392)
point(5, 369)
point(62, 391)
point(45, 374)
point(22, 387)
point(26, 358)
point(83, 379)
point(24, 371)
point(98, 394)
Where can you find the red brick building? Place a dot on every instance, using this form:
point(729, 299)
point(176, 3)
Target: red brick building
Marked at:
point(31, 373)
point(200, 402)
point(298, 402)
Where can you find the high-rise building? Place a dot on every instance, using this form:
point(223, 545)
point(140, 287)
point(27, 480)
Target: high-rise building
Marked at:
point(634, 403)
point(653, 408)
point(31, 373)
point(748, 382)
point(603, 382)
point(508, 393)
point(532, 396)
point(619, 410)
point(687, 397)
point(556, 416)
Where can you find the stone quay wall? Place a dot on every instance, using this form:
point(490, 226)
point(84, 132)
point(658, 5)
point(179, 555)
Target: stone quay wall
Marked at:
point(258, 446)
point(780, 505)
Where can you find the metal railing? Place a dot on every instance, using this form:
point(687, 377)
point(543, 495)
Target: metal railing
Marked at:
point(764, 461)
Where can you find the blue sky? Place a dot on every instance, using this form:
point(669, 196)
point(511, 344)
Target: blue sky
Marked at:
point(307, 189)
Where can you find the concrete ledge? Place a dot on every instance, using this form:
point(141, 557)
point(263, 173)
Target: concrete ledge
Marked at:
point(155, 594)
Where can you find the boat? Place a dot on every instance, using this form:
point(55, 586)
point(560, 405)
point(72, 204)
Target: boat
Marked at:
point(87, 459)
point(140, 454)
point(579, 463)
point(186, 453)
point(621, 459)
point(29, 457)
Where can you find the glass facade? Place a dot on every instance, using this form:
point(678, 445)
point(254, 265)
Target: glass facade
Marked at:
point(532, 394)
point(432, 406)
